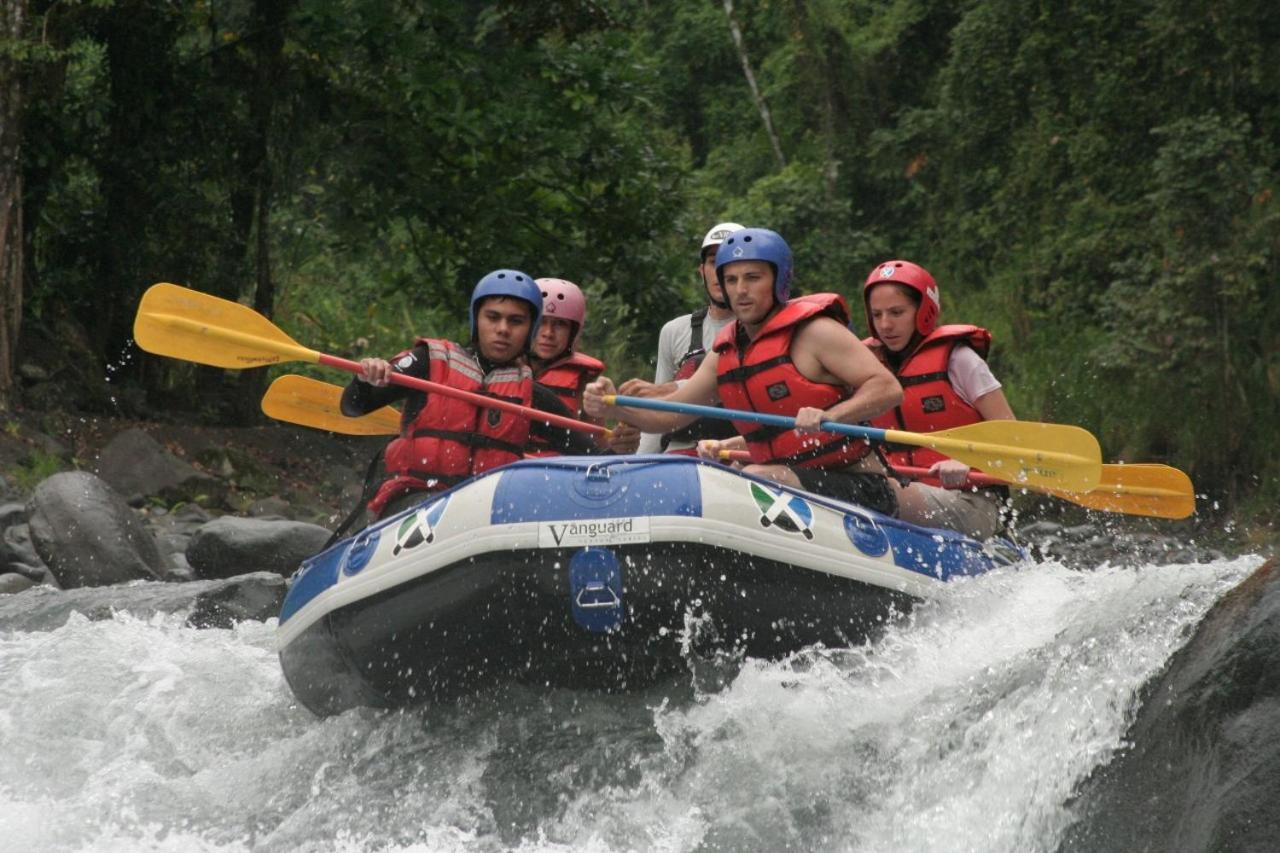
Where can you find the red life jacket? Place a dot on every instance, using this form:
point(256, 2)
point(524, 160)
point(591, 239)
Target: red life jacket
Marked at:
point(565, 377)
point(759, 376)
point(448, 439)
point(929, 403)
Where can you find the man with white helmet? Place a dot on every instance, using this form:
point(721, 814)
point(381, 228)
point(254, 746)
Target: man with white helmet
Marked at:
point(682, 344)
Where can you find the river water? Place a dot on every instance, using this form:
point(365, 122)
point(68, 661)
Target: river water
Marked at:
point(967, 726)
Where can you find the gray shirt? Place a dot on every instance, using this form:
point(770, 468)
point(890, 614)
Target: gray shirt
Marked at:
point(673, 343)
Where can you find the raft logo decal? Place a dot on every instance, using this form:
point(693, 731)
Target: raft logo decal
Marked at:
point(596, 531)
point(789, 512)
point(418, 527)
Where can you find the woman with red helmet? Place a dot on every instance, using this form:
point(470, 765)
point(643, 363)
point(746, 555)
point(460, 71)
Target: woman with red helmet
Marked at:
point(946, 383)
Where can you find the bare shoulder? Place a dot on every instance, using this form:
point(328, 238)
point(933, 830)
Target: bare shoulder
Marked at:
point(827, 331)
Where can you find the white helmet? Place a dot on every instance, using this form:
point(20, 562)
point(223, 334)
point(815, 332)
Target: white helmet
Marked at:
point(717, 234)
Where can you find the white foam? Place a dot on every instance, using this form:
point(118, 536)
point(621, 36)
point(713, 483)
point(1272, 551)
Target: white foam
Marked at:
point(966, 727)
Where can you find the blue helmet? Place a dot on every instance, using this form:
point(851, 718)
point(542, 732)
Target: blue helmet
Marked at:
point(758, 244)
point(512, 284)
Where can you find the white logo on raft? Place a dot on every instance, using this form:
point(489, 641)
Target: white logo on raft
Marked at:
point(605, 531)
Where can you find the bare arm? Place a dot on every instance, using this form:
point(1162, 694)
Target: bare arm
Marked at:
point(994, 407)
point(826, 351)
point(699, 390)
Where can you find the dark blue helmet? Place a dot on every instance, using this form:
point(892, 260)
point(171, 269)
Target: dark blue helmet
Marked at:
point(515, 285)
point(758, 244)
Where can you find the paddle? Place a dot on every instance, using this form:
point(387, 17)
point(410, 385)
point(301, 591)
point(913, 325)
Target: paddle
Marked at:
point(312, 403)
point(1021, 453)
point(1152, 490)
point(183, 323)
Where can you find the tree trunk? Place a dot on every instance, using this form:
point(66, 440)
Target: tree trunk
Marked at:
point(12, 26)
point(269, 20)
point(761, 105)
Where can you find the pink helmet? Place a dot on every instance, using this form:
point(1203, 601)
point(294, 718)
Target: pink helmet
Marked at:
point(914, 277)
point(563, 299)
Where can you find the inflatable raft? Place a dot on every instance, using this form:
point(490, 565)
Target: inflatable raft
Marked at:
point(601, 572)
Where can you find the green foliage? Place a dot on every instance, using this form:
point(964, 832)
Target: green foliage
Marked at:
point(1093, 181)
point(38, 466)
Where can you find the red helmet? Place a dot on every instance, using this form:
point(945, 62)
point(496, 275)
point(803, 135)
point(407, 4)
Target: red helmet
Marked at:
point(913, 276)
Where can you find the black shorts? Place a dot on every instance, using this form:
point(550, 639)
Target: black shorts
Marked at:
point(856, 487)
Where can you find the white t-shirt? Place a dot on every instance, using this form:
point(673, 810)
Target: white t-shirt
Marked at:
point(969, 375)
point(673, 343)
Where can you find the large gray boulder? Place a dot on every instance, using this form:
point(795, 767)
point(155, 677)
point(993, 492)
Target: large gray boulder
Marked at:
point(231, 546)
point(255, 597)
point(87, 535)
point(1203, 763)
point(137, 466)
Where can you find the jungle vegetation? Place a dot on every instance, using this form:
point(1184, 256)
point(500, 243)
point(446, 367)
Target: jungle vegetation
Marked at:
point(1093, 181)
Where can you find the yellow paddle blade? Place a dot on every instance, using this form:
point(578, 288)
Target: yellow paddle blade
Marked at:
point(1022, 453)
point(312, 403)
point(1155, 490)
point(183, 323)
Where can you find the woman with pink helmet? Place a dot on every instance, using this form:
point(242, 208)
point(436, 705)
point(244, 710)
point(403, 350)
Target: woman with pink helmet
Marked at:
point(557, 364)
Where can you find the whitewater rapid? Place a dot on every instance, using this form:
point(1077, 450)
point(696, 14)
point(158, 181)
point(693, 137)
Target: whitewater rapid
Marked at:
point(966, 726)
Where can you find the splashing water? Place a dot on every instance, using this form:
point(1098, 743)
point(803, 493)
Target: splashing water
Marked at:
point(967, 726)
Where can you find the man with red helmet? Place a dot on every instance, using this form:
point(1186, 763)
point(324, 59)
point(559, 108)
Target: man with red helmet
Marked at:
point(682, 344)
point(946, 383)
point(557, 363)
point(790, 357)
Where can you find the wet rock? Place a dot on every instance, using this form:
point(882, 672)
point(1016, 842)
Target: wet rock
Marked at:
point(1203, 762)
point(13, 583)
point(11, 514)
point(44, 608)
point(138, 467)
point(256, 597)
point(269, 507)
point(18, 554)
point(179, 569)
point(1108, 541)
point(191, 514)
point(231, 546)
point(86, 534)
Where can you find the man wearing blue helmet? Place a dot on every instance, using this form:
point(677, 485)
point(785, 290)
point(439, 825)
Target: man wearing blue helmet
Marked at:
point(444, 440)
point(791, 357)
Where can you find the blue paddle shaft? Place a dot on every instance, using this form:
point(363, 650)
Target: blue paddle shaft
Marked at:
point(870, 433)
